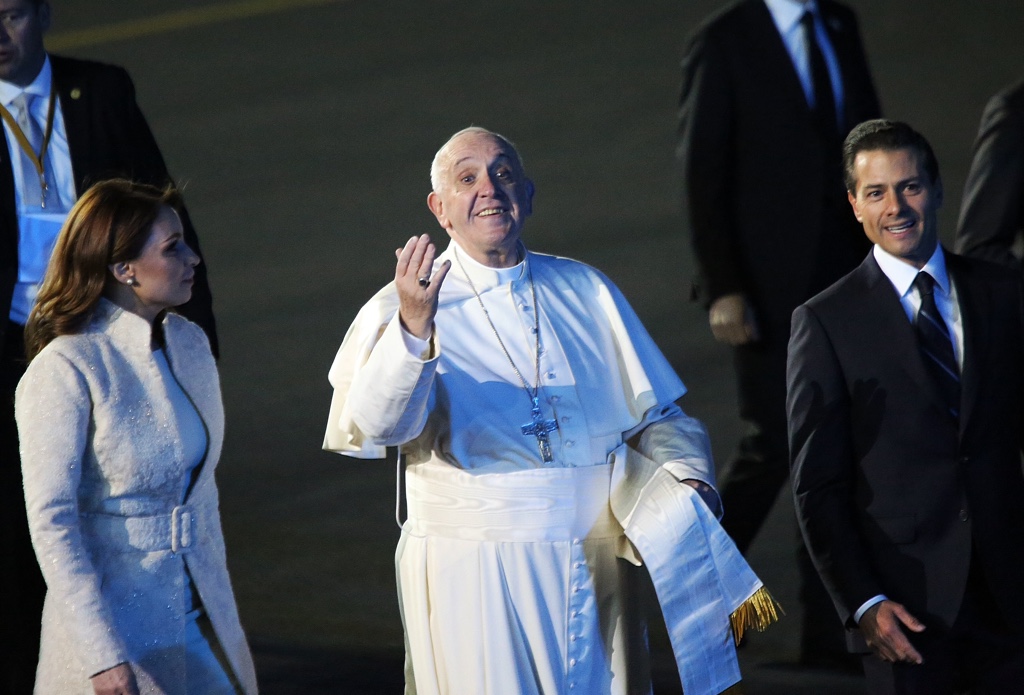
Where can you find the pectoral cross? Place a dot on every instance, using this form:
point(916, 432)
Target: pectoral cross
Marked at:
point(540, 428)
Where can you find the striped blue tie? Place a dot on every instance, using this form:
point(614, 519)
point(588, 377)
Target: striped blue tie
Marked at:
point(936, 346)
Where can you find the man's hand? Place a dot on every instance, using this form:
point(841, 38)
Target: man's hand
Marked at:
point(881, 627)
point(732, 320)
point(119, 680)
point(707, 493)
point(418, 302)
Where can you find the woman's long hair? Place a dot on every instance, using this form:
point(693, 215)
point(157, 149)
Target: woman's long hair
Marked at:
point(109, 224)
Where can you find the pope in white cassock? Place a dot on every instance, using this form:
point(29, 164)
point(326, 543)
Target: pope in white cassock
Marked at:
point(545, 455)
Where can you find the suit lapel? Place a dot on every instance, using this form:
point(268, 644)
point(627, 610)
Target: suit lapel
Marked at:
point(975, 313)
point(767, 44)
point(897, 333)
point(839, 36)
point(73, 100)
point(858, 104)
point(9, 204)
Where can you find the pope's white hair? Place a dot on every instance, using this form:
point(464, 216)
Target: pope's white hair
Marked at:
point(437, 167)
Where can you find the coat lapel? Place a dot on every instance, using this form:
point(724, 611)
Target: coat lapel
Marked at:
point(73, 100)
point(769, 47)
point(9, 205)
point(897, 333)
point(196, 373)
point(839, 36)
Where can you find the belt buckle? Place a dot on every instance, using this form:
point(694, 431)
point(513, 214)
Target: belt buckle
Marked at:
point(181, 529)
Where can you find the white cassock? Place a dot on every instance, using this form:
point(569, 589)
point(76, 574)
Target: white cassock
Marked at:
point(509, 570)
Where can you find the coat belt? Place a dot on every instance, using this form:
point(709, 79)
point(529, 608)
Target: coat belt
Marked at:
point(175, 531)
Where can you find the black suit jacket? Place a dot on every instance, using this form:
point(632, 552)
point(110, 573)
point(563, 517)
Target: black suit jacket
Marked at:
point(762, 190)
point(107, 137)
point(992, 210)
point(892, 495)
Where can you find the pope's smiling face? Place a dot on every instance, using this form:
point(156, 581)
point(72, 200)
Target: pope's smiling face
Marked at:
point(484, 197)
point(897, 202)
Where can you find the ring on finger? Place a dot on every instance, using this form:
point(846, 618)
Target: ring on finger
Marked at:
point(424, 281)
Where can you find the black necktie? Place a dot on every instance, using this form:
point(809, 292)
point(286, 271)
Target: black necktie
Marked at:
point(824, 99)
point(936, 346)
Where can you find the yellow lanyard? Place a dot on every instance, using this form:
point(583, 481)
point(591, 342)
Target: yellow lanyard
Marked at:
point(26, 146)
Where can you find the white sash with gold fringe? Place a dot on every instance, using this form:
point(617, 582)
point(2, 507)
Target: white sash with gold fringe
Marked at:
point(707, 591)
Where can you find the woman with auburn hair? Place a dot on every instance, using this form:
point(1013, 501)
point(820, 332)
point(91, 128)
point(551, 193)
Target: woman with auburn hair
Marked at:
point(121, 426)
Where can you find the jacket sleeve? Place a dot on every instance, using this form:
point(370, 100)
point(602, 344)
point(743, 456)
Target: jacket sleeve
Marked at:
point(705, 156)
point(992, 211)
point(53, 409)
point(822, 466)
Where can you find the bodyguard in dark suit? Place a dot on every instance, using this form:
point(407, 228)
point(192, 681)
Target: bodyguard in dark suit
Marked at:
point(106, 136)
point(769, 89)
point(992, 211)
point(906, 397)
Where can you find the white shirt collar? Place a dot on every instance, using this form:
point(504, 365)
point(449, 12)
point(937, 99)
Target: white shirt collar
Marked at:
point(787, 13)
point(39, 87)
point(901, 274)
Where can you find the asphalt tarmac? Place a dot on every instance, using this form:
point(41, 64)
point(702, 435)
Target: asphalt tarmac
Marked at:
point(303, 130)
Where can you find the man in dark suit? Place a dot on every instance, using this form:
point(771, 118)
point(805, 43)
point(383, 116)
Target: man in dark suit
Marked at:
point(96, 131)
point(769, 89)
point(992, 211)
point(906, 398)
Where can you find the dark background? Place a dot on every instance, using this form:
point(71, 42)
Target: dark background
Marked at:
point(303, 130)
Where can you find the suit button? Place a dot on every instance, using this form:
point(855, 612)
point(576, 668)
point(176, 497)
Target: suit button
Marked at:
point(964, 460)
point(963, 515)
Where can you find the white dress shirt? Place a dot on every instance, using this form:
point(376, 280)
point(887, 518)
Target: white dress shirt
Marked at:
point(901, 274)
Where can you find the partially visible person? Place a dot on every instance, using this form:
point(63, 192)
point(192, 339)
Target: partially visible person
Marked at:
point(121, 427)
point(95, 131)
point(992, 211)
point(906, 407)
point(546, 457)
point(769, 89)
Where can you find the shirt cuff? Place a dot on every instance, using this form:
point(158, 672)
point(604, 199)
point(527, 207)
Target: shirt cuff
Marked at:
point(417, 346)
point(866, 605)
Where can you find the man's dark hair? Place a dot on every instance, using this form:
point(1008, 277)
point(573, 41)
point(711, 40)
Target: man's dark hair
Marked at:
point(883, 134)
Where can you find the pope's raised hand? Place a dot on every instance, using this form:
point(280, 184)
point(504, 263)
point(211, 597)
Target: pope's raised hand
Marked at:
point(417, 288)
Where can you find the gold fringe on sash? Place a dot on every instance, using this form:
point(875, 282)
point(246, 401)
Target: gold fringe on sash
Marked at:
point(758, 612)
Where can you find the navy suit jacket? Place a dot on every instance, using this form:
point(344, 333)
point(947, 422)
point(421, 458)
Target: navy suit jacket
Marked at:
point(108, 137)
point(762, 190)
point(893, 495)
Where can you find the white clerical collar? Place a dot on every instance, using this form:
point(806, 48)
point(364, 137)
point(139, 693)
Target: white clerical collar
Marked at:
point(483, 276)
point(39, 87)
point(787, 13)
point(901, 274)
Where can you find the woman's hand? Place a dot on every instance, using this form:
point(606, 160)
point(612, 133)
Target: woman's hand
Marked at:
point(119, 680)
